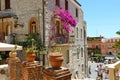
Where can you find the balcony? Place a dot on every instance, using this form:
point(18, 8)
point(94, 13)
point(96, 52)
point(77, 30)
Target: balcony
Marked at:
point(60, 40)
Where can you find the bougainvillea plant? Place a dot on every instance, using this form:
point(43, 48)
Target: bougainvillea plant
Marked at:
point(67, 22)
point(66, 19)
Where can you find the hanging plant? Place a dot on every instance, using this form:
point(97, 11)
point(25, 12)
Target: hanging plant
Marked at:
point(67, 22)
point(66, 18)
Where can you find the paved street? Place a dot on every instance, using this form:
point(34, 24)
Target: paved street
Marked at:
point(93, 74)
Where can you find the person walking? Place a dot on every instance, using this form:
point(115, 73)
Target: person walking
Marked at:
point(90, 69)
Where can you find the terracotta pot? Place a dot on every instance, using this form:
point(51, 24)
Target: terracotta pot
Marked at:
point(30, 57)
point(56, 60)
point(12, 54)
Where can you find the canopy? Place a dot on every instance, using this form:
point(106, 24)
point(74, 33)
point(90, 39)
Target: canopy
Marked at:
point(8, 47)
point(109, 57)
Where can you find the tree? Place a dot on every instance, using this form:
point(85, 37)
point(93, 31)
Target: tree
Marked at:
point(117, 44)
point(118, 32)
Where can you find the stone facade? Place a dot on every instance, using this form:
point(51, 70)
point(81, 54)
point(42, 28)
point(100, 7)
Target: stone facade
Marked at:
point(25, 13)
point(75, 51)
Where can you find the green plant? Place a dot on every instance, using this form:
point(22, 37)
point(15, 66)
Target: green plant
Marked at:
point(31, 50)
point(97, 55)
point(56, 50)
point(32, 40)
point(14, 50)
point(118, 56)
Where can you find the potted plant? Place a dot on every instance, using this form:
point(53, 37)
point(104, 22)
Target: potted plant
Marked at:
point(60, 36)
point(32, 46)
point(56, 58)
point(13, 53)
point(30, 54)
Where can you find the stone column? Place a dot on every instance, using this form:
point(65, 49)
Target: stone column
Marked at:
point(56, 74)
point(31, 70)
point(13, 68)
point(111, 74)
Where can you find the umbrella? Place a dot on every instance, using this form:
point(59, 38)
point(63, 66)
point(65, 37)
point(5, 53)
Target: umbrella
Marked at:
point(8, 47)
point(109, 57)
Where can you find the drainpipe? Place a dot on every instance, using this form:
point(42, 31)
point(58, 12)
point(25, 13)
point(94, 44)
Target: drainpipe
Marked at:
point(43, 14)
point(85, 52)
point(3, 29)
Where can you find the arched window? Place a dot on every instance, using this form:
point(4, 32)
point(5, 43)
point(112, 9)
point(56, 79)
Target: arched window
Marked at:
point(33, 27)
point(81, 33)
point(58, 28)
point(8, 30)
point(77, 32)
point(78, 53)
point(81, 52)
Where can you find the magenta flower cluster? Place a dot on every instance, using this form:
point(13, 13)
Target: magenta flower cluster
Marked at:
point(66, 18)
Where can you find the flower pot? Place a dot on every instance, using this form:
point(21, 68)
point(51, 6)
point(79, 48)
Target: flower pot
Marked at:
point(56, 60)
point(30, 56)
point(12, 54)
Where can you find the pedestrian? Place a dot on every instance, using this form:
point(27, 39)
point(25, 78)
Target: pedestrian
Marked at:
point(101, 76)
point(90, 69)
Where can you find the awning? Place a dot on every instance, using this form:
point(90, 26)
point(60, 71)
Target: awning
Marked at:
point(8, 47)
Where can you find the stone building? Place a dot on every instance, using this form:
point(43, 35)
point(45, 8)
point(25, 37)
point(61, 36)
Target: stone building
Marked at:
point(19, 18)
point(75, 50)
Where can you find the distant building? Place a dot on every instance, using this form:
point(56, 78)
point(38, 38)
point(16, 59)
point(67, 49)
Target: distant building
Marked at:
point(102, 45)
point(94, 45)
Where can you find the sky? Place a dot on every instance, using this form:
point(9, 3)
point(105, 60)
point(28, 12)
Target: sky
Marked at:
point(102, 17)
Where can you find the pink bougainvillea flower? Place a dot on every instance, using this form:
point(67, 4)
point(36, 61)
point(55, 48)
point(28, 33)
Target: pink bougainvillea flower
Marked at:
point(53, 28)
point(66, 18)
point(66, 27)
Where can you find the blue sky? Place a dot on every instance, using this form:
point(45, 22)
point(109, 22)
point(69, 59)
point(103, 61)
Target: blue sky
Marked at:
point(102, 17)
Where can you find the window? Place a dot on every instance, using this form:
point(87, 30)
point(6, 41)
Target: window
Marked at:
point(76, 12)
point(82, 67)
point(8, 30)
point(7, 4)
point(57, 2)
point(78, 52)
point(77, 32)
point(58, 28)
point(81, 52)
point(66, 4)
point(84, 34)
point(0, 5)
point(81, 33)
point(33, 27)
point(67, 56)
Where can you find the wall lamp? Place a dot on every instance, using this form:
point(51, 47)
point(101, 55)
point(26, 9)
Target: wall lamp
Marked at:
point(16, 24)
